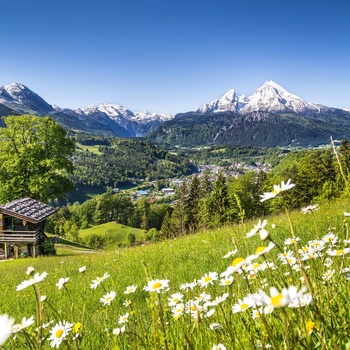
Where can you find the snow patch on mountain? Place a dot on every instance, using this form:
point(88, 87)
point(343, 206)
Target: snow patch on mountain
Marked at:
point(270, 97)
point(19, 94)
point(145, 116)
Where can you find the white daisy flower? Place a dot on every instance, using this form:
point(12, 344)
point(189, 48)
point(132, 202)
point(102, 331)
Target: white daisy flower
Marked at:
point(59, 332)
point(30, 270)
point(328, 275)
point(259, 228)
point(123, 318)
point(82, 269)
point(215, 326)
point(23, 324)
point(218, 347)
point(207, 279)
point(309, 209)
point(277, 189)
point(95, 283)
point(35, 279)
point(118, 331)
point(156, 285)
point(130, 289)
point(175, 298)
point(108, 298)
point(6, 324)
point(242, 305)
point(62, 282)
point(226, 281)
point(232, 252)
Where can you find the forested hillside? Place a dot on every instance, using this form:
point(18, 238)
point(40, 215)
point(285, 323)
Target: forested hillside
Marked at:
point(111, 162)
point(259, 129)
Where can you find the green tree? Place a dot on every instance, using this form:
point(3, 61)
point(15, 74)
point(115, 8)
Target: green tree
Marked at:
point(167, 228)
point(192, 205)
point(178, 217)
point(215, 208)
point(35, 159)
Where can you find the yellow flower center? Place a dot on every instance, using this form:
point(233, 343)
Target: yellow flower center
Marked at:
point(193, 307)
point(157, 285)
point(237, 261)
point(340, 252)
point(59, 333)
point(207, 279)
point(108, 299)
point(260, 250)
point(227, 282)
point(256, 266)
point(276, 300)
point(76, 327)
point(175, 300)
point(244, 306)
point(310, 326)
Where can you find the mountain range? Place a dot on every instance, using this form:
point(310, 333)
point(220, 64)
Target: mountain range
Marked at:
point(271, 116)
point(104, 119)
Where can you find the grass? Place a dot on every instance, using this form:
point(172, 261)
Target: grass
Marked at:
point(112, 234)
point(322, 324)
point(91, 148)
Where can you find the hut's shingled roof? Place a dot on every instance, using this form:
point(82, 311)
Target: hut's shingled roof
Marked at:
point(28, 209)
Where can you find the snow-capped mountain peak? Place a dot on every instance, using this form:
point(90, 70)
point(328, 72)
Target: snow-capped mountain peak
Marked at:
point(22, 95)
point(270, 97)
point(115, 112)
point(227, 102)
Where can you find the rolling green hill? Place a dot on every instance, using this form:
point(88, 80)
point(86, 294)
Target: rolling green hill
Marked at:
point(109, 236)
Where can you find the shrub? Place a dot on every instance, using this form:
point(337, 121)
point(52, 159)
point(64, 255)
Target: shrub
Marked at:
point(131, 238)
point(47, 247)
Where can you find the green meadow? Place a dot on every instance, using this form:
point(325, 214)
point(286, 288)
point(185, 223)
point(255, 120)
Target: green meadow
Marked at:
point(110, 235)
point(237, 310)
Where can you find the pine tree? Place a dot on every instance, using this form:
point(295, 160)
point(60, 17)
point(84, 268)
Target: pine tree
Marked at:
point(167, 229)
point(178, 217)
point(220, 200)
point(192, 205)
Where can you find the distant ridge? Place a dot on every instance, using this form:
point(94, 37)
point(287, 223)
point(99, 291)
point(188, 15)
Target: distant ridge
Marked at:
point(271, 116)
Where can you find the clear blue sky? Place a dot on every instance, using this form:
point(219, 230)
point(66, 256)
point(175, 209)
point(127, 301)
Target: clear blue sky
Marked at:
point(170, 56)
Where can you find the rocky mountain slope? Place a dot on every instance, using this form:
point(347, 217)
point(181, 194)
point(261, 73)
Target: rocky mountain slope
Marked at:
point(271, 116)
point(105, 119)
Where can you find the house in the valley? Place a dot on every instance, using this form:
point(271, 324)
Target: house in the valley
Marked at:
point(168, 191)
point(22, 223)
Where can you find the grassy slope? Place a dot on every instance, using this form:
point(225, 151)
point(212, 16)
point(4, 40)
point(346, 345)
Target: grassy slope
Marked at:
point(114, 233)
point(93, 149)
point(181, 260)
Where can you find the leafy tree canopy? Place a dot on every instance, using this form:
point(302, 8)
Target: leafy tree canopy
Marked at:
point(34, 159)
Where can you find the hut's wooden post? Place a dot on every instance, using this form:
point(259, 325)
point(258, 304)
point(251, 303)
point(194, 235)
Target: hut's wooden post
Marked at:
point(16, 251)
point(5, 250)
point(34, 255)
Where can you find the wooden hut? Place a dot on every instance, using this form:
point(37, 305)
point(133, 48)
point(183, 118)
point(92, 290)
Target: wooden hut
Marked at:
point(22, 223)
